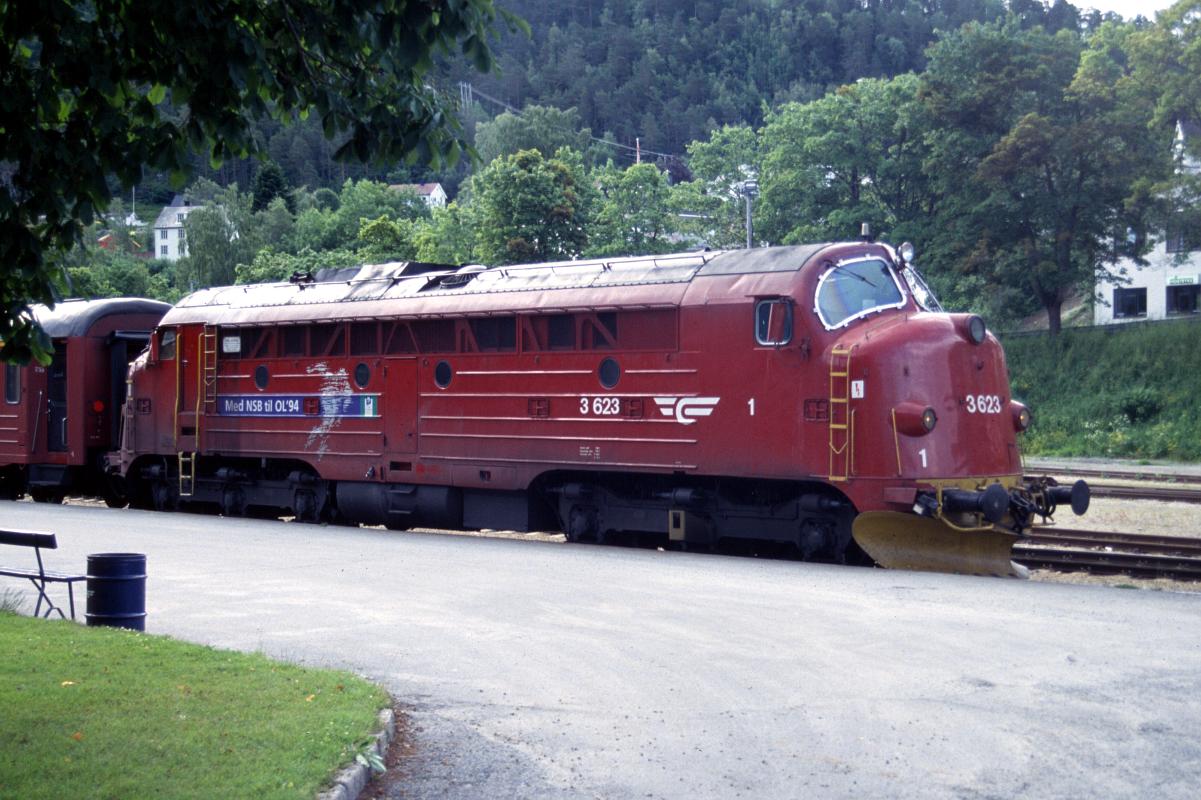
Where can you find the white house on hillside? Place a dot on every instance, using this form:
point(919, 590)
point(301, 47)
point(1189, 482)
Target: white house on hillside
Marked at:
point(1170, 284)
point(169, 240)
point(432, 193)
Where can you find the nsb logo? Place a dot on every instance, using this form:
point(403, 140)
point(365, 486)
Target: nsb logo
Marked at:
point(686, 409)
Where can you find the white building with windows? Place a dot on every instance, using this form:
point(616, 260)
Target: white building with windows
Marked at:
point(432, 193)
point(1170, 284)
point(170, 243)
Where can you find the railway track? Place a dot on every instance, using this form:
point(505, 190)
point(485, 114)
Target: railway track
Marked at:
point(1163, 493)
point(1187, 488)
point(1115, 474)
point(1105, 553)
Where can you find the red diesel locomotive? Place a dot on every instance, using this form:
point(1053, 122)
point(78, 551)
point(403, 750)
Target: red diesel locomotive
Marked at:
point(57, 422)
point(795, 394)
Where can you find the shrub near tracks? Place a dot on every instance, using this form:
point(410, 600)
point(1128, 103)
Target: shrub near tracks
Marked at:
point(97, 712)
point(1113, 391)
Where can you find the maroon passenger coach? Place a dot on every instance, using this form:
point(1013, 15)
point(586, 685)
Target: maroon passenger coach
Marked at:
point(793, 394)
point(57, 422)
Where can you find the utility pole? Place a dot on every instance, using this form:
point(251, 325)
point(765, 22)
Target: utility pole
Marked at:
point(750, 190)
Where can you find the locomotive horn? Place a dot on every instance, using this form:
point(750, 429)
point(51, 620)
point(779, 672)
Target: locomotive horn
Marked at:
point(896, 540)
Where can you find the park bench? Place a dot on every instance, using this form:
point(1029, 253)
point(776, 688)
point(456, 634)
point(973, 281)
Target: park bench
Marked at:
point(40, 576)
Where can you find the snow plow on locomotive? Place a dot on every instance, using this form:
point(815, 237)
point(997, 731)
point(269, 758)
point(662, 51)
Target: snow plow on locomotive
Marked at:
point(808, 395)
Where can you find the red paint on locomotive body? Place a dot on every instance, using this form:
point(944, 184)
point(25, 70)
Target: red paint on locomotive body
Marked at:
point(57, 421)
point(619, 391)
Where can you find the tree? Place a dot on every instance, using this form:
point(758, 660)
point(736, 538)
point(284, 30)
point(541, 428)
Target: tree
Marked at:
point(532, 209)
point(269, 183)
point(1167, 67)
point(112, 86)
point(1038, 149)
point(220, 236)
point(709, 207)
point(851, 157)
point(633, 218)
point(536, 128)
point(382, 240)
point(448, 237)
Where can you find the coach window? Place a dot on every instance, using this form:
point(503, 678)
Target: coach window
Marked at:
point(166, 345)
point(12, 383)
point(773, 322)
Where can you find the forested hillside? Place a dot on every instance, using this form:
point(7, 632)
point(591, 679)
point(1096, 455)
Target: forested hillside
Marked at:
point(1023, 147)
point(670, 71)
point(663, 72)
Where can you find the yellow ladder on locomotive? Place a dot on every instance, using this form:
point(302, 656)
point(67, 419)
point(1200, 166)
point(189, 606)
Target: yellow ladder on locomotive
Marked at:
point(187, 473)
point(208, 360)
point(841, 417)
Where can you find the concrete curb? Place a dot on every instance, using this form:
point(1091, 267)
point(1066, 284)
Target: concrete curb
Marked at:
point(350, 782)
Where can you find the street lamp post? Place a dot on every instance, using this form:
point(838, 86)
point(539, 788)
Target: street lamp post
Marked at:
point(749, 190)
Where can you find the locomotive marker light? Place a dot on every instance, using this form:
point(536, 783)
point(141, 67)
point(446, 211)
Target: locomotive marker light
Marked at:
point(1021, 416)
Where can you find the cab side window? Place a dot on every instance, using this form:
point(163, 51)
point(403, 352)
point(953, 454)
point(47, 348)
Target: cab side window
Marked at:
point(773, 322)
point(166, 345)
point(12, 383)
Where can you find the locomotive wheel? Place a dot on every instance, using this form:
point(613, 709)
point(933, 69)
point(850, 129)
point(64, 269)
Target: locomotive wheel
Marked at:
point(163, 496)
point(233, 502)
point(906, 541)
point(43, 495)
point(582, 525)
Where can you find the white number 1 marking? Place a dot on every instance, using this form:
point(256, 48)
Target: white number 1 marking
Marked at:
point(751, 403)
point(922, 453)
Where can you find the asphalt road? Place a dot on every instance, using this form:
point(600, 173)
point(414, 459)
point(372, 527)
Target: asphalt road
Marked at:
point(539, 670)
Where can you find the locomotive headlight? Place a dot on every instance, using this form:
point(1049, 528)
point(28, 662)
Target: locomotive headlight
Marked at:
point(929, 419)
point(906, 252)
point(1021, 416)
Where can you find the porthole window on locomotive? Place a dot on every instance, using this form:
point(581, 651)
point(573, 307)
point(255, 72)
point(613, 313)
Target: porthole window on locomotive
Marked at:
point(443, 374)
point(773, 321)
point(609, 373)
point(362, 375)
point(260, 376)
point(853, 289)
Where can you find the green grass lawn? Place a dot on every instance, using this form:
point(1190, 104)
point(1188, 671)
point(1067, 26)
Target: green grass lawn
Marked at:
point(107, 713)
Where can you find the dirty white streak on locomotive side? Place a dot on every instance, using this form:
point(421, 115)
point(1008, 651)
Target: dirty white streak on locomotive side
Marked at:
point(333, 384)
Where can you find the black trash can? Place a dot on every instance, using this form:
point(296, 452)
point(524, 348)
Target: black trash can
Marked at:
point(117, 590)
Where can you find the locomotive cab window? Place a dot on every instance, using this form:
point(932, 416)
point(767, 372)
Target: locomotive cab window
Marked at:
point(12, 384)
point(166, 345)
point(773, 321)
point(853, 289)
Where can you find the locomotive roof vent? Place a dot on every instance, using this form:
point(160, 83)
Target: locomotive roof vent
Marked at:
point(461, 277)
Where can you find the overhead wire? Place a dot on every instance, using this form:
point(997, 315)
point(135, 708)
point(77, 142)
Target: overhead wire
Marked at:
point(632, 151)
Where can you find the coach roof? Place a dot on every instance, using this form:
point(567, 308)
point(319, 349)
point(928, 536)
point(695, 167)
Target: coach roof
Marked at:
point(76, 317)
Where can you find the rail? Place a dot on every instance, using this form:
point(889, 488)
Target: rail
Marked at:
point(1111, 553)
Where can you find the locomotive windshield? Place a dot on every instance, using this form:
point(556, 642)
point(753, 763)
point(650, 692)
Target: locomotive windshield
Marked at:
point(853, 289)
point(920, 290)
